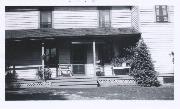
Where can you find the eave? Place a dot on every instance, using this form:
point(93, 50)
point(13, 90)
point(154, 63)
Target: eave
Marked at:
point(69, 33)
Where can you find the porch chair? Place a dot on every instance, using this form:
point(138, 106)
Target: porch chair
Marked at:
point(65, 70)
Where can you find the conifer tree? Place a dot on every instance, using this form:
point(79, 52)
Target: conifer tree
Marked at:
point(142, 68)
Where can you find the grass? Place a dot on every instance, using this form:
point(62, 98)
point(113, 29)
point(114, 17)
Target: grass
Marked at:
point(100, 93)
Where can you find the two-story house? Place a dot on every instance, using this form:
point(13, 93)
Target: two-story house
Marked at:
point(85, 37)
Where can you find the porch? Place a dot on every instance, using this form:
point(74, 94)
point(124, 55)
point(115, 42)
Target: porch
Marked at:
point(85, 54)
point(68, 53)
point(75, 60)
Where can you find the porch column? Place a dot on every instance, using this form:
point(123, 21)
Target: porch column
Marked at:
point(94, 57)
point(43, 59)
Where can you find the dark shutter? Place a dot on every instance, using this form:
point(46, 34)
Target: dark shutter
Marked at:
point(46, 19)
point(161, 13)
point(104, 17)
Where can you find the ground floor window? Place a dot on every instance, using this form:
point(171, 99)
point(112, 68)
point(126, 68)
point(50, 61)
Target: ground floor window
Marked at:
point(105, 53)
point(51, 59)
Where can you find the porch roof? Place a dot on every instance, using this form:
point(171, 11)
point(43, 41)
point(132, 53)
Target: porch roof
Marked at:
point(71, 32)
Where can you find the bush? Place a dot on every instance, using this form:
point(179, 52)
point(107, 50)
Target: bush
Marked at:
point(142, 68)
point(145, 78)
point(47, 74)
point(99, 73)
point(10, 77)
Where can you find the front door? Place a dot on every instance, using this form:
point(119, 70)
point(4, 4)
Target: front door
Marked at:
point(78, 58)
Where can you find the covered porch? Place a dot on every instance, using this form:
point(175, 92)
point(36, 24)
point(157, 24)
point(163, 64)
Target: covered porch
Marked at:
point(73, 52)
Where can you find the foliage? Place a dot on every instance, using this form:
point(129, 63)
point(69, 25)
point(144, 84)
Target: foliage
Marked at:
point(142, 68)
point(10, 77)
point(47, 73)
point(100, 73)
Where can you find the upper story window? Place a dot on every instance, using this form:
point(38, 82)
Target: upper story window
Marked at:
point(161, 13)
point(45, 18)
point(104, 17)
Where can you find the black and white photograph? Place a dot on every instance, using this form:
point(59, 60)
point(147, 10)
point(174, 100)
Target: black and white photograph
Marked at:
point(89, 52)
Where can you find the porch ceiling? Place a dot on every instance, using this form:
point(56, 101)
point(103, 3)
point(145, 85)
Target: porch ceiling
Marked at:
point(71, 32)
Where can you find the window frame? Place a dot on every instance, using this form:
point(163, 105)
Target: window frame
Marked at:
point(49, 57)
point(161, 16)
point(49, 10)
point(100, 10)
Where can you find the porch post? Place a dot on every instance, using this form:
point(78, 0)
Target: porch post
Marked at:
point(94, 57)
point(43, 60)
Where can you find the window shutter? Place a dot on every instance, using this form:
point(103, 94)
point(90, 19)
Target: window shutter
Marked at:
point(104, 17)
point(161, 13)
point(46, 19)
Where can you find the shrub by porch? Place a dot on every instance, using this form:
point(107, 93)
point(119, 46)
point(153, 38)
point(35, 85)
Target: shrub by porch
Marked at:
point(141, 66)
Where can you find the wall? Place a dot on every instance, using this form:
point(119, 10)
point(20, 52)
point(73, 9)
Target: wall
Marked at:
point(64, 53)
point(68, 17)
point(120, 17)
point(21, 20)
point(75, 17)
point(24, 56)
point(158, 37)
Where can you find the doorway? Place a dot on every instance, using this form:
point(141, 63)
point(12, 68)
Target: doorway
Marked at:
point(78, 58)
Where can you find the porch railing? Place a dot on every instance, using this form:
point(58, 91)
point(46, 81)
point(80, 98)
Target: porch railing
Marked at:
point(14, 68)
point(22, 72)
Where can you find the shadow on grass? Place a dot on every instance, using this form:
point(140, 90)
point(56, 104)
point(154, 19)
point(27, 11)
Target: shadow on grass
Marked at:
point(14, 96)
point(36, 96)
point(108, 93)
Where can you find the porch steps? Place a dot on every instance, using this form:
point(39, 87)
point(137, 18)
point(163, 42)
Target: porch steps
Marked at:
point(75, 86)
point(74, 82)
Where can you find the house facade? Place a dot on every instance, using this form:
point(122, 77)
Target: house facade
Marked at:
point(84, 39)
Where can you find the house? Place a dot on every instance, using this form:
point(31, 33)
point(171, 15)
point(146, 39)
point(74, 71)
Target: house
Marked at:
point(84, 39)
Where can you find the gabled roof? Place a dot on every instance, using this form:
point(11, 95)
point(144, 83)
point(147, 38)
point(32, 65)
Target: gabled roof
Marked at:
point(71, 32)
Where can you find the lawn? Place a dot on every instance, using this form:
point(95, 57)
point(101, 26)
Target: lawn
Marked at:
point(100, 93)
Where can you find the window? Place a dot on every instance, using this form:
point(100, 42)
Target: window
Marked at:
point(45, 19)
point(104, 17)
point(161, 13)
point(51, 57)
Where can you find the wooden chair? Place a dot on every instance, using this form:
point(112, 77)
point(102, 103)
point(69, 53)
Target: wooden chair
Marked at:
point(65, 70)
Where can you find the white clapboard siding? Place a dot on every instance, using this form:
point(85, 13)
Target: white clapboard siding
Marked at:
point(53, 72)
point(75, 17)
point(30, 73)
point(22, 20)
point(108, 70)
point(26, 74)
point(120, 17)
point(89, 69)
point(158, 37)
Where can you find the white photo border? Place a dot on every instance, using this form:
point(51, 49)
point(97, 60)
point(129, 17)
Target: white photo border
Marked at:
point(90, 104)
